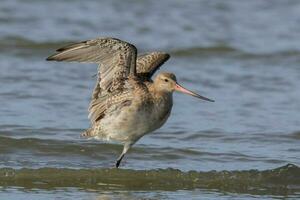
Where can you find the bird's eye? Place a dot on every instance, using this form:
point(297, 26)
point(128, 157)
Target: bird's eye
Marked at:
point(166, 80)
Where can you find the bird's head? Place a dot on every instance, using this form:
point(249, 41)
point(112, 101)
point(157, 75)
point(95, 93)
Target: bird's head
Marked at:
point(167, 82)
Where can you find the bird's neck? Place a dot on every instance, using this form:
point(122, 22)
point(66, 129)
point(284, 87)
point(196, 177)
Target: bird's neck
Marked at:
point(161, 95)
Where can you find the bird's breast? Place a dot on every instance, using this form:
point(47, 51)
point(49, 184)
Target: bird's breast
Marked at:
point(161, 110)
point(144, 114)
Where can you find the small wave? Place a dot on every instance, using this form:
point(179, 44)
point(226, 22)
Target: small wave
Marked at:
point(8, 144)
point(231, 51)
point(18, 44)
point(25, 47)
point(88, 148)
point(193, 51)
point(281, 181)
point(21, 42)
point(295, 135)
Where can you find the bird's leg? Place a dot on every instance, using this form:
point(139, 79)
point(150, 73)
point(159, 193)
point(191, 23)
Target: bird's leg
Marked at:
point(119, 160)
point(125, 149)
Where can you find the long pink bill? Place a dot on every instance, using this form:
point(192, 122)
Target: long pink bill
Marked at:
point(179, 88)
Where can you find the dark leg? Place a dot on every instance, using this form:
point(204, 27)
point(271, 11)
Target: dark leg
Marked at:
point(119, 160)
point(125, 149)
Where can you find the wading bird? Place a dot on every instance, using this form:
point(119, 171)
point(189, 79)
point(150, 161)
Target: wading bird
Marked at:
point(126, 103)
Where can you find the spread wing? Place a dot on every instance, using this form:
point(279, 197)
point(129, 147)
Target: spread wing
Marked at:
point(116, 59)
point(147, 64)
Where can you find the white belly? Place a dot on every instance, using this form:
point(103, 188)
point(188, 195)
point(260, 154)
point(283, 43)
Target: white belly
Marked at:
point(132, 122)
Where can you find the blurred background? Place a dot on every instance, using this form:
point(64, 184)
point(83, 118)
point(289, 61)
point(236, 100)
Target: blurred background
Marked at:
point(243, 54)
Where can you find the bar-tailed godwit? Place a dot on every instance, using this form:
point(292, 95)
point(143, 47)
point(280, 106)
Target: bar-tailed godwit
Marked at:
point(126, 103)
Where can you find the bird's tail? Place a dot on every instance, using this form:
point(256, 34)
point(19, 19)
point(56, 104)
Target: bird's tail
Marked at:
point(88, 133)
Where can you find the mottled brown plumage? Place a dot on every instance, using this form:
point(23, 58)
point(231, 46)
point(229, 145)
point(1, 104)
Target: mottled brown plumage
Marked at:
point(149, 63)
point(126, 104)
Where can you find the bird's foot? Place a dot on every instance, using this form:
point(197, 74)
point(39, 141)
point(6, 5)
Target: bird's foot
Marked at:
point(119, 160)
point(118, 163)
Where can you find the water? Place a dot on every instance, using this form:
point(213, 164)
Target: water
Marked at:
point(245, 55)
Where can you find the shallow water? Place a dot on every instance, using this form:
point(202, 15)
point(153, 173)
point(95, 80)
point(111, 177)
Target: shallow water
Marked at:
point(245, 55)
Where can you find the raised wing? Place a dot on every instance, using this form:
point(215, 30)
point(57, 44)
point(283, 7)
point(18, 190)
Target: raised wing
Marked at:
point(117, 59)
point(147, 64)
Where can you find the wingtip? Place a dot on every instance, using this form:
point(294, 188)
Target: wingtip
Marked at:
point(50, 58)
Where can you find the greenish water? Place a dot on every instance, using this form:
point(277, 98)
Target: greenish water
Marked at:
point(280, 181)
point(243, 54)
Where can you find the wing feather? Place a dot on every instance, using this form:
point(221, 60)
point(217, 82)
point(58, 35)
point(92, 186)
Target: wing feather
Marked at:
point(117, 59)
point(147, 64)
